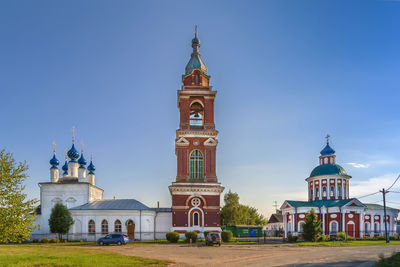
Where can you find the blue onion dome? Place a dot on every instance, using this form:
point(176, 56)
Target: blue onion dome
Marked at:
point(54, 161)
point(329, 169)
point(91, 168)
point(65, 167)
point(82, 161)
point(327, 151)
point(73, 154)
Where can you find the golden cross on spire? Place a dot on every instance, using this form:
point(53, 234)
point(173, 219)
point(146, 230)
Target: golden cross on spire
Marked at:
point(195, 30)
point(91, 155)
point(82, 147)
point(66, 155)
point(54, 147)
point(327, 138)
point(73, 134)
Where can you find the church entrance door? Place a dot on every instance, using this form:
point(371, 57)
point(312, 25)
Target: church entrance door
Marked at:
point(350, 230)
point(130, 226)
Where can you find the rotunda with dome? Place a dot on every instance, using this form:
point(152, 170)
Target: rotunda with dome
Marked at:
point(328, 189)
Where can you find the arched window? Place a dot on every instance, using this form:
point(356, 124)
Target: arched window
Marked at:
point(324, 193)
point(301, 227)
point(317, 192)
point(376, 228)
point(196, 115)
point(91, 227)
point(344, 191)
point(311, 193)
point(332, 191)
point(196, 164)
point(117, 226)
point(334, 228)
point(195, 218)
point(340, 191)
point(366, 228)
point(104, 227)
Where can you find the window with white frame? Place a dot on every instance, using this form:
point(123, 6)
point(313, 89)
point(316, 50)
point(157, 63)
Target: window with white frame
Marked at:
point(317, 192)
point(117, 226)
point(196, 164)
point(104, 227)
point(195, 218)
point(91, 227)
point(376, 227)
point(301, 227)
point(332, 191)
point(366, 228)
point(339, 191)
point(334, 227)
point(324, 193)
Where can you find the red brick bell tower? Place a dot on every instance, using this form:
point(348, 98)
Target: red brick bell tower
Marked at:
point(196, 191)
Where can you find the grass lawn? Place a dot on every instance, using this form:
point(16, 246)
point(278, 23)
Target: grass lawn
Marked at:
point(52, 255)
point(394, 260)
point(349, 243)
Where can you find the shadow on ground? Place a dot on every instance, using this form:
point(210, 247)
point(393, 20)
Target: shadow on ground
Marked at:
point(336, 264)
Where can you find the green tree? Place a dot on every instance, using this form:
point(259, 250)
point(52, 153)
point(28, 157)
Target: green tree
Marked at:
point(16, 212)
point(60, 220)
point(311, 227)
point(234, 213)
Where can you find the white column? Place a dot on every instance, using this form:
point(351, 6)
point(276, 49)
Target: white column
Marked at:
point(362, 228)
point(292, 220)
point(343, 221)
point(323, 219)
point(285, 224)
point(313, 194)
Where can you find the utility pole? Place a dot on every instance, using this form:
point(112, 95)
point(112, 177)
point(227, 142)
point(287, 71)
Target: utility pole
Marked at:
point(384, 192)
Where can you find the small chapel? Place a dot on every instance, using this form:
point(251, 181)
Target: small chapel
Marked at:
point(195, 192)
point(328, 189)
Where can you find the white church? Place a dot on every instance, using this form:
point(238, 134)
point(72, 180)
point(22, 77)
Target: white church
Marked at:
point(94, 216)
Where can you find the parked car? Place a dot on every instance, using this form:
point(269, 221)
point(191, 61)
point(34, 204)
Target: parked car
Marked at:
point(118, 239)
point(213, 238)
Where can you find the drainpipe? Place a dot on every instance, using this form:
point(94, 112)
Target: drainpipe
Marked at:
point(140, 226)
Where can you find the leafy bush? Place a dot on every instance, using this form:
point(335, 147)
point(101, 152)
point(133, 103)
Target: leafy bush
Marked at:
point(341, 236)
point(45, 240)
point(173, 237)
point(368, 238)
point(380, 237)
point(35, 240)
point(227, 236)
point(322, 238)
point(206, 233)
point(392, 237)
point(191, 236)
point(54, 240)
point(292, 238)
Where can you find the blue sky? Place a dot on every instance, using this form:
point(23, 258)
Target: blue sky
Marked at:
point(287, 73)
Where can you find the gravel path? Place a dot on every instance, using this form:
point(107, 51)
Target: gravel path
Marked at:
point(258, 255)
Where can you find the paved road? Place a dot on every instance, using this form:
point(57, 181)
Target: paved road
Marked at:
point(258, 255)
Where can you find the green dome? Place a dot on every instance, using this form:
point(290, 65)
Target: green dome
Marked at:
point(328, 169)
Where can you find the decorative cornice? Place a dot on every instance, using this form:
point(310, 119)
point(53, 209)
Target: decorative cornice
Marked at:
point(211, 142)
point(189, 133)
point(187, 189)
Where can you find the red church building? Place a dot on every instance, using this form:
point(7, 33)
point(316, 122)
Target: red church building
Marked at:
point(196, 190)
point(328, 194)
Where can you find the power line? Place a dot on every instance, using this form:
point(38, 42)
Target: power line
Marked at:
point(369, 195)
point(393, 183)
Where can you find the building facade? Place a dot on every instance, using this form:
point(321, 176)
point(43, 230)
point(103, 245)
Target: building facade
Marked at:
point(328, 195)
point(196, 190)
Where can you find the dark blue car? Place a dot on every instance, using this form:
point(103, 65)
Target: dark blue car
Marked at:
point(118, 239)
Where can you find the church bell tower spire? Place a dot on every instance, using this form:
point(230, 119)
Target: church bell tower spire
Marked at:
point(196, 191)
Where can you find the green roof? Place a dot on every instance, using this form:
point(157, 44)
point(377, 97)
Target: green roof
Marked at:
point(320, 203)
point(328, 169)
point(377, 207)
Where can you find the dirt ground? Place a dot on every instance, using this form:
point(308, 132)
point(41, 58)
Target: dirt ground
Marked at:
point(258, 255)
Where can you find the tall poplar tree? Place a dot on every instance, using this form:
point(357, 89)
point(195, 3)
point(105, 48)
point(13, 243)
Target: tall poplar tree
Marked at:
point(16, 212)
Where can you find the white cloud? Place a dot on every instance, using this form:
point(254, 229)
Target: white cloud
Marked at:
point(358, 165)
point(360, 188)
